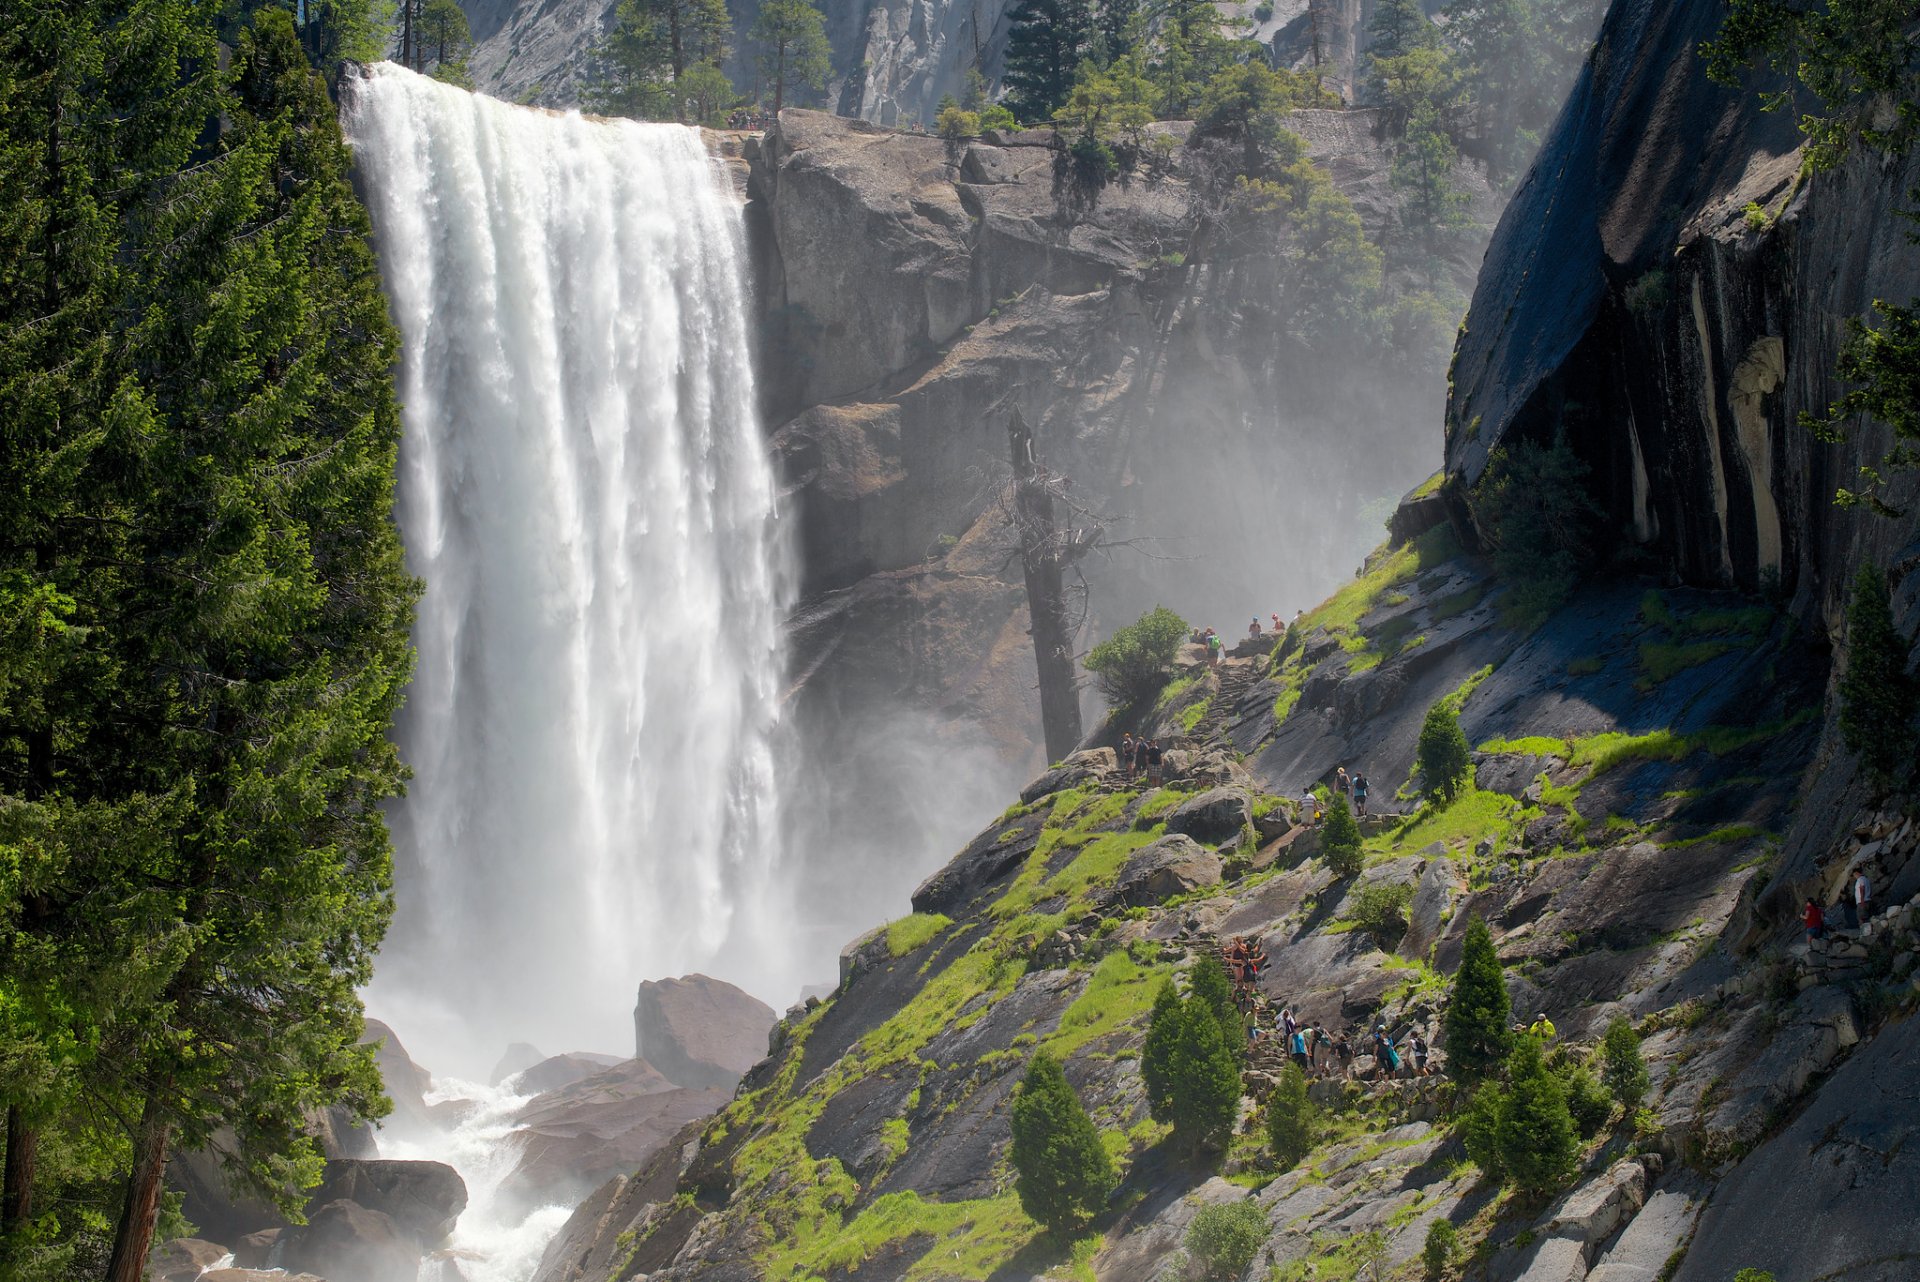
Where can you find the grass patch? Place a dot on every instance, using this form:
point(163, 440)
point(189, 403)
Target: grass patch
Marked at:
point(1449, 607)
point(912, 932)
point(1529, 746)
point(1119, 993)
point(1662, 660)
point(1193, 714)
point(1587, 666)
point(1472, 815)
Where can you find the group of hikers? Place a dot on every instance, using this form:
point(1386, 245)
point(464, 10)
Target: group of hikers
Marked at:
point(1814, 917)
point(754, 118)
point(1215, 647)
point(1142, 756)
point(1351, 786)
point(1321, 1051)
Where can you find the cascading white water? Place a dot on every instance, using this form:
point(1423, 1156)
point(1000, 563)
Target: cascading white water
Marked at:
point(586, 495)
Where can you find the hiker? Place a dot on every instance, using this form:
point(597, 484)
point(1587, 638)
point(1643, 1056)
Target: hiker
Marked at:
point(1126, 756)
point(1214, 647)
point(1386, 1060)
point(1254, 631)
point(1297, 1047)
point(1277, 625)
point(1342, 784)
point(1543, 1028)
point(1420, 1052)
point(1288, 1022)
point(1309, 808)
point(1343, 1051)
point(1359, 794)
point(1862, 898)
point(1816, 921)
point(1321, 1056)
point(1154, 762)
point(1256, 960)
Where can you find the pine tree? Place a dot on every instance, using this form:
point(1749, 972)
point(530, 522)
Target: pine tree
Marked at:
point(1621, 1066)
point(1291, 1120)
point(650, 49)
point(1478, 1010)
point(1340, 840)
point(1204, 1080)
point(1213, 991)
point(1538, 1144)
point(792, 37)
point(1443, 756)
point(1165, 1028)
point(1046, 42)
point(1063, 1169)
point(1876, 694)
point(446, 39)
point(1397, 28)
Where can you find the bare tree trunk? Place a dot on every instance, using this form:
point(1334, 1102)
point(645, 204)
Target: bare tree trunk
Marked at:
point(1040, 556)
point(23, 1152)
point(133, 1239)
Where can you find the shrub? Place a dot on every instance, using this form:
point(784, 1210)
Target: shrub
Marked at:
point(1340, 840)
point(1437, 1254)
point(1478, 1009)
point(1381, 911)
point(1876, 695)
point(955, 122)
point(1533, 514)
point(1482, 1126)
point(1291, 1118)
point(1224, 1238)
point(1753, 1275)
point(998, 117)
point(1191, 1070)
point(1263, 12)
point(1063, 1169)
point(1133, 665)
point(1214, 992)
point(1587, 1100)
point(1442, 752)
point(1156, 1054)
point(1621, 1066)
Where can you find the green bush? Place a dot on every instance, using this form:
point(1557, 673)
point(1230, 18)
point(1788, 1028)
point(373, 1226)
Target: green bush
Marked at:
point(1442, 1240)
point(1537, 1144)
point(1587, 1100)
point(1191, 1070)
point(1263, 12)
point(1478, 1009)
point(1340, 840)
point(1534, 517)
point(1156, 1053)
point(955, 122)
point(1381, 911)
point(1753, 1275)
point(1064, 1174)
point(1482, 1128)
point(998, 117)
point(1292, 1120)
point(1211, 988)
point(1224, 1238)
point(1443, 756)
point(1621, 1066)
point(1134, 664)
point(1876, 695)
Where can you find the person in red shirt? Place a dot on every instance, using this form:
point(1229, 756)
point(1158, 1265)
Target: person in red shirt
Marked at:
point(1815, 919)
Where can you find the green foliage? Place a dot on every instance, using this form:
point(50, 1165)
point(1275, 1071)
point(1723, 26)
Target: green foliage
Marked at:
point(1188, 51)
point(1191, 1070)
point(1302, 250)
point(1588, 1102)
point(1876, 695)
point(1482, 1129)
point(1340, 846)
point(1046, 43)
point(1442, 755)
point(1537, 1143)
point(1478, 1009)
point(1247, 103)
point(446, 40)
point(1517, 58)
point(1621, 1067)
point(954, 123)
point(1064, 1174)
point(1381, 911)
point(995, 116)
point(1753, 1275)
point(1535, 518)
point(1292, 1120)
point(1225, 1236)
point(1436, 1253)
point(1209, 985)
point(203, 611)
point(1133, 665)
point(792, 40)
point(650, 60)
point(913, 932)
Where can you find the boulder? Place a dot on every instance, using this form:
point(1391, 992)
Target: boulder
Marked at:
point(1074, 771)
point(1213, 817)
point(1173, 865)
point(700, 1032)
point(519, 1057)
point(407, 1083)
point(1427, 914)
point(184, 1259)
point(423, 1199)
point(559, 1070)
point(347, 1241)
point(1661, 1227)
point(1594, 1210)
point(255, 1250)
point(1553, 1259)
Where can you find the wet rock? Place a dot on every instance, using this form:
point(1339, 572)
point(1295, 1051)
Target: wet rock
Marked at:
point(423, 1199)
point(552, 1073)
point(1440, 883)
point(256, 1250)
point(519, 1057)
point(1173, 865)
point(184, 1259)
point(1213, 817)
point(344, 1240)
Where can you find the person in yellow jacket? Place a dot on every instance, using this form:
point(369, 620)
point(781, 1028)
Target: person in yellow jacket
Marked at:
point(1543, 1028)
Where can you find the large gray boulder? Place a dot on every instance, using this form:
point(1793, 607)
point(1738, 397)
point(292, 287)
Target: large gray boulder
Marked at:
point(347, 1241)
point(183, 1259)
point(1173, 865)
point(1213, 817)
point(700, 1032)
point(556, 1071)
point(423, 1199)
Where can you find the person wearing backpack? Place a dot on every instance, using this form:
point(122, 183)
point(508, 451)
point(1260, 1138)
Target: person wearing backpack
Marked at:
point(1359, 794)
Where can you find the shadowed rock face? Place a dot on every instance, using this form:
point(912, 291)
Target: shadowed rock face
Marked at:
point(698, 1031)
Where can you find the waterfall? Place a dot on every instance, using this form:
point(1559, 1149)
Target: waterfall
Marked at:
point(587, 498)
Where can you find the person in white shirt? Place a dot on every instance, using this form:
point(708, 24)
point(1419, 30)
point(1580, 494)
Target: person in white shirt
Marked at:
point(1862, 897)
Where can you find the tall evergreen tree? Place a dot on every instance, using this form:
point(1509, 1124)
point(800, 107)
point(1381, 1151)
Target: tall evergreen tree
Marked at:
point(1064, 1174)
point(1340, 839)
point(1442, 753)
point(1397, 28)
point(1046, 42)
point(1876, 695)
point(1210, 987)
point(1478, 1009)
point(1290, 1118)
point(649, 50)
point(1164, 1031)
point(1622, 1067)
point(792, 37)
point(1538, 1145)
